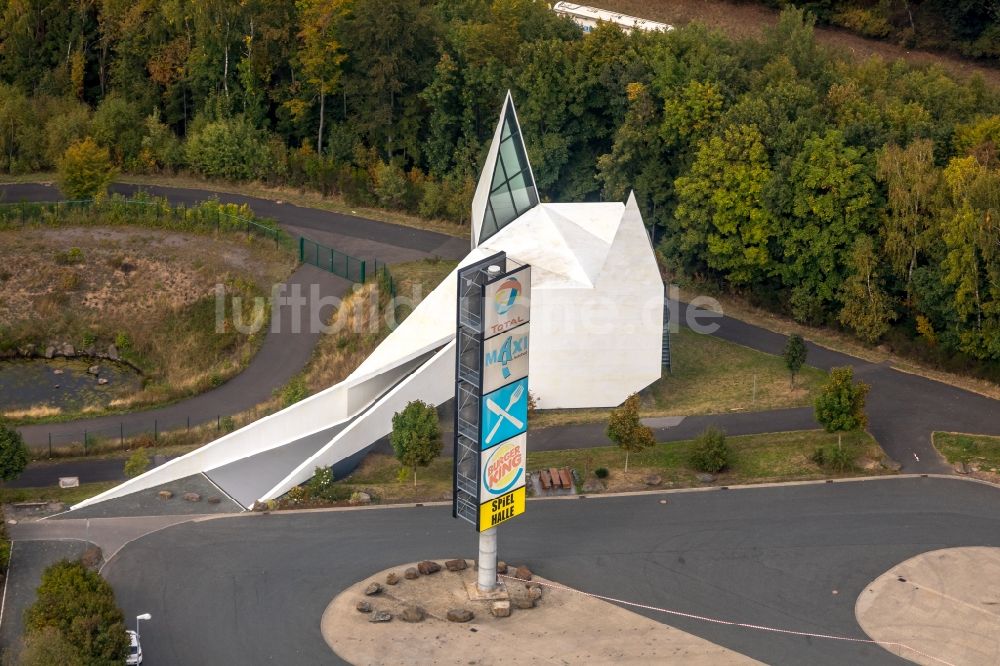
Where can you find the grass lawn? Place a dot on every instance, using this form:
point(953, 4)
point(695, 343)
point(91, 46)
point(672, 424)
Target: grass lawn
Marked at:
point(785, 456)
point(710, 376)
point(979, 451)
point(54, 493)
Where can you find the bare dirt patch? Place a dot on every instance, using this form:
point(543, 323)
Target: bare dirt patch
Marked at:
point(148, 292)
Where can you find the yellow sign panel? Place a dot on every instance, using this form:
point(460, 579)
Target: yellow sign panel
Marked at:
point(503, 508)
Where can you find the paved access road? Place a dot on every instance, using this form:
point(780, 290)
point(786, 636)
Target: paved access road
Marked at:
point(251, 589)
point(903, 409)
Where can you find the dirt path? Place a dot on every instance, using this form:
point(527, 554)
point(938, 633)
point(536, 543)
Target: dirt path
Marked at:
point(749, 20)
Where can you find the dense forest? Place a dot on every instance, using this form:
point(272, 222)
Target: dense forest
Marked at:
point(856, 194)
point(969, 27)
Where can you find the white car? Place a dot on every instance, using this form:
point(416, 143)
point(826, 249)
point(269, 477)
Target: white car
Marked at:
point(135, 650)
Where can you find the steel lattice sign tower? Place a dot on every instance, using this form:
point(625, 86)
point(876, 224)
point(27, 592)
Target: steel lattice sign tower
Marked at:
point(491, 399)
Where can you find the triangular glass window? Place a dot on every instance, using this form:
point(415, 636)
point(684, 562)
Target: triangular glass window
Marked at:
point(513, 190)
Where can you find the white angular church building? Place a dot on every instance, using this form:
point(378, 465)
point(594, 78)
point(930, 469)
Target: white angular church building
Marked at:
point(596, 336)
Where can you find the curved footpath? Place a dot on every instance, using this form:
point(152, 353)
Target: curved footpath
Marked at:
point(904, 409)
point(285, 351)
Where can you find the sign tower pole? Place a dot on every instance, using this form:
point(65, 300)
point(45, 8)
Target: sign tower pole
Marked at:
point(491, 401)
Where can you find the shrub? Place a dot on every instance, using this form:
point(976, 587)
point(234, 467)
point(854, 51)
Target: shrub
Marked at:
point(85, 170)
point(13, 453)
point(601, 472)
point(69, 281)
point(74, 255)
point(81, 606)
point(228, 148)
point(137, 464)
point(227, 424)
point(293, 392)
point(710, 452)
point(840, 459)
point(819, 456)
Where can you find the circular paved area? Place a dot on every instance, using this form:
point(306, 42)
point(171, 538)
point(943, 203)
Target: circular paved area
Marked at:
point(945, 604)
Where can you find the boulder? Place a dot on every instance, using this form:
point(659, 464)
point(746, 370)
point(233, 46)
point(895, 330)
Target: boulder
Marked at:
point(522, 572)
point(456, 565)
point(380, 616)
point(412, 613)
point(68, 350)
point(90, 351)
point(94, 370)
point(101, 381)
point(360, 498)
point(58, 371)
point(391, 578)
point(524, 603)
point(705, 478)
point(653, 480)
point(500, 609)
point(373, 588)
point(363, 606)
point(460, 615)
point(427, 567)
point(501, 567)
point(113, 353)
point(214, 500)
point(534, 592)
point(165, 494)
point(192, 497)
point(411, 574)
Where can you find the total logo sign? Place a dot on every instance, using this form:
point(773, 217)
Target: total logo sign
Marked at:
point(503, 468)
point(507, 302)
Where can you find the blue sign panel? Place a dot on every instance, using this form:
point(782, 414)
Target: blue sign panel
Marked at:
point(505, 413)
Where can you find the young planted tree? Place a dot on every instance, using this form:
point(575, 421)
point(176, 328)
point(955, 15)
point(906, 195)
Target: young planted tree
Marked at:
point(416, 436)
point(840, 405)
point(85, 170)
point(13, 453)
point(795, 355)
point(626, 430)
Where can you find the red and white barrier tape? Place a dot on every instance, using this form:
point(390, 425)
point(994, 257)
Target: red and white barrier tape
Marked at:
point(745, 625)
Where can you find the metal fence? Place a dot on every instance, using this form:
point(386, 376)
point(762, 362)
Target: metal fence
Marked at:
point(346, 266)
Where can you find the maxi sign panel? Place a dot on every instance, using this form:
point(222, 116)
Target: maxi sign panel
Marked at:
point(491, 392)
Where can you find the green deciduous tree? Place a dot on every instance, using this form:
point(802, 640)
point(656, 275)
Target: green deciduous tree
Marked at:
point(13, 453)
point(833, 197)
point(867, 307)
point(81, 606)
point(85, 170)
point(910, 179)
point(416, 436)
point(795, 355)
point(229, 148)
point(721, 211)
point(627, 431)
point(840, 405)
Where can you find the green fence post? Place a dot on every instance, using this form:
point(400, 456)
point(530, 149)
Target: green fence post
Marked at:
point(362, 271)
point(302, 248)
point(331, 261)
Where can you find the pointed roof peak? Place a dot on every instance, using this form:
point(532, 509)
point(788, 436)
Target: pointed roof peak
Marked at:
point(506, 188)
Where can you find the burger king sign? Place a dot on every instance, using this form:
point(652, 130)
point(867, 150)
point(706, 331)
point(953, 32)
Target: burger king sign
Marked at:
point(503, 468)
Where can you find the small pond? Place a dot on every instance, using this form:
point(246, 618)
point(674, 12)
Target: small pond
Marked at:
point(63, 385)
